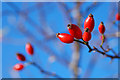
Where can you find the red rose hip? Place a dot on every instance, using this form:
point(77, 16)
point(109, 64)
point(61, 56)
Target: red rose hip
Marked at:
point(75, 31)
point(118, 16)
point(65, 38)
point(20, 57)
point(29, 49)
point(18, 67)
point(89, 22)
point(86, 35)
point(101, 28)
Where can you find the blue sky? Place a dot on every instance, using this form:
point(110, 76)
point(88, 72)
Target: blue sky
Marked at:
point(14, 41)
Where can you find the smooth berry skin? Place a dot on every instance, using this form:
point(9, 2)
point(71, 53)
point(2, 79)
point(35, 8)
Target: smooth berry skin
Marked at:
point(118, 16)
point(65, 38)
point(86, 35)
point(29, 49)
point(75, 31)
point(101, 28)
point(20, 57)
point(89, 22)
point(18, 67)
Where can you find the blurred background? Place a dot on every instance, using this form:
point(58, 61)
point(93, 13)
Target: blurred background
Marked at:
point(38, 23)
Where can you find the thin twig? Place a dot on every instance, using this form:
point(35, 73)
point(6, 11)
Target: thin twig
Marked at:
point(46, 72)
point(95, 49)
point(104, 49)
point(113, 51)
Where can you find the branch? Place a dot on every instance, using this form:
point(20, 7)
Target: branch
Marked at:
point(44, 71)
point(42, 46)
point(95, 49)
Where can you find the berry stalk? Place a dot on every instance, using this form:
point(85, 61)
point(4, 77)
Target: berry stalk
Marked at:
point(103, 37)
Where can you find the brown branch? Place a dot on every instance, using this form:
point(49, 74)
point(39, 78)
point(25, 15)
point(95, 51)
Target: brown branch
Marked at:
point(44, 71)
point(113, 51)
point(108, 50)
point(95, 49)
point(104, 49)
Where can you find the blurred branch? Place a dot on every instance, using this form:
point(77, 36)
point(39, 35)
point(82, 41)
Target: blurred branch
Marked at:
point(32, 38)
point(94, 5)
point(91, 66)
point(46, 72)
point(116, 34)
point(42, 19)
point(65, 9)
point(42, 46)
point(76, 53)
point(90, 8)
point(29, 20)
point(75, 59)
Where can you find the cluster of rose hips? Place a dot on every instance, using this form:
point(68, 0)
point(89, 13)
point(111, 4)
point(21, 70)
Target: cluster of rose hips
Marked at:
point(21, 57)
point(75, 31)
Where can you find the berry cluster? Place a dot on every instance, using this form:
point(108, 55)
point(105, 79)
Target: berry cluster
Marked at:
point(76, 34)
point(75, 31)
point(21, 57)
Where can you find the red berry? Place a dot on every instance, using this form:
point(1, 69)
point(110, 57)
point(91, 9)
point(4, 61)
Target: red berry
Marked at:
point(20, 57)
point(29, 49)
point(118, 16)
point(86, 35)
point(89, 22)
point(18, 67)
point(75, 31)
point(65, 38)
point(101, 28)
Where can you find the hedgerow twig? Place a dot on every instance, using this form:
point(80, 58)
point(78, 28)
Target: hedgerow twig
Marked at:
point(95, 49)
point(45, 72)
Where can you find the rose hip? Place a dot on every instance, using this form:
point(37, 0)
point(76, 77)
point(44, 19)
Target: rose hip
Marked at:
point(65, 38)
point(29, 49)
point(18, 67)
point(86, 35)
point(89, 22)
point(75, 31)
point(20, 57)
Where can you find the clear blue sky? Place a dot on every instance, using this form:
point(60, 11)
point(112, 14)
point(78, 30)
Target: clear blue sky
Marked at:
point(14, 41)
